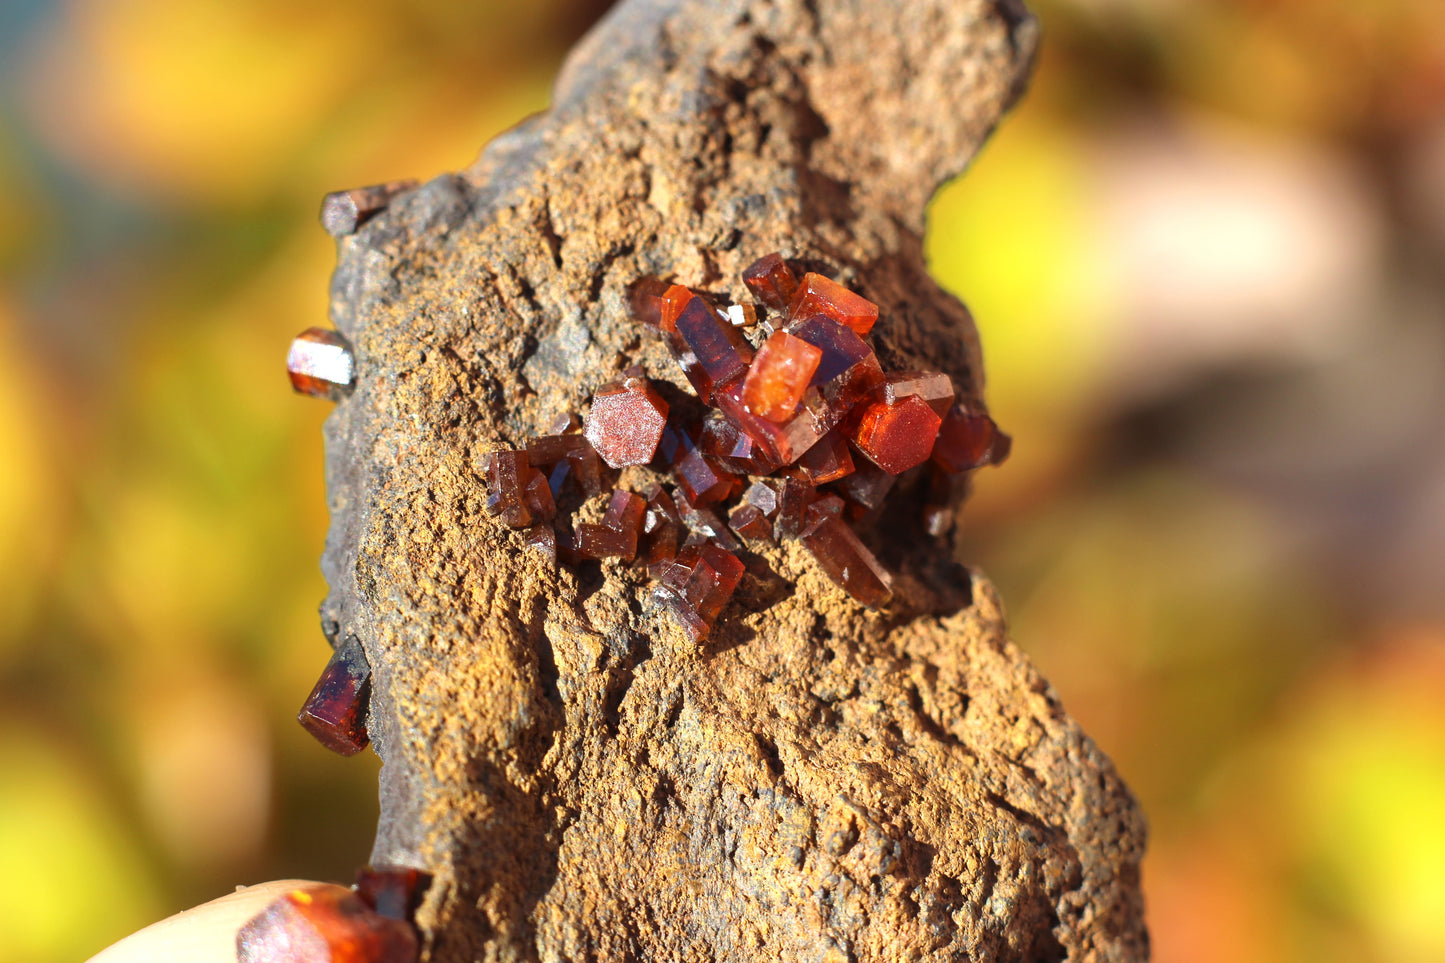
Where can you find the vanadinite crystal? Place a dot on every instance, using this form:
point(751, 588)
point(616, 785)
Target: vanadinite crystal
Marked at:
point(342, 212)
point(324, 924)
point(848, 371)
point(771, 281)
point(847, 561)
point(820, 295)
point(779, 375)
point(335, 712)
point(320, 364)
point(968, 439)
point(711, 351)
point(897, 437)
point(932, 386)
point(699, 582)
point(626, 421)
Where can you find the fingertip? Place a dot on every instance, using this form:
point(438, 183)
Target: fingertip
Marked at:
point(202, 934)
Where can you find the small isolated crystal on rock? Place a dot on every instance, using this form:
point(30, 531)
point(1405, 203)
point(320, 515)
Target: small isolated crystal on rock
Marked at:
point(742, 315)
point(626, 422)
point(342, 212)
point(897, 437)
point(324, 924)
point(819, 295)
point(335, 711)
point(771, 281)
point(320, 364)
point(779, 376)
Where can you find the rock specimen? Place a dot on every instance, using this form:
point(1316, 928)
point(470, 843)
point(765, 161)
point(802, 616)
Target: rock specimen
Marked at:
point(816, 780)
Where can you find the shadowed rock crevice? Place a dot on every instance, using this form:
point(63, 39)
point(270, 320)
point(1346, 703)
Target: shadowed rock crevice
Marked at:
point(818, 781)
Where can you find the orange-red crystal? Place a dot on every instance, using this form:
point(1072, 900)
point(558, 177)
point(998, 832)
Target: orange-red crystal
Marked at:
point(819, 295)
point(324, 924)
point(779, 376)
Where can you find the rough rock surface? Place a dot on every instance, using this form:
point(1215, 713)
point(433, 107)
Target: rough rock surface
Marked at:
point(818, 781)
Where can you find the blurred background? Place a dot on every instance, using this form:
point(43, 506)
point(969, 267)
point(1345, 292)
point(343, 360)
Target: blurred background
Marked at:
point(1207, 255)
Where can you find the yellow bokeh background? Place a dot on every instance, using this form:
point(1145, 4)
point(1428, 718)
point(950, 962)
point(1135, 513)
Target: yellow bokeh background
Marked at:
point(1205, 257)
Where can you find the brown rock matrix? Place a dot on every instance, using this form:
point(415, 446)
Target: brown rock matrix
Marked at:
point(816, 780)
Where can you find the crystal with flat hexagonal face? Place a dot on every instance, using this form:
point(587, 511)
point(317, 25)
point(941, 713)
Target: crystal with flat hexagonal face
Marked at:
point(626, 422)
point(321, 364)
point(897, 437)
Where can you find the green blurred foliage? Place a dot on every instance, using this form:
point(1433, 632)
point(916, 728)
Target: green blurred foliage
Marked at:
point(161, 498)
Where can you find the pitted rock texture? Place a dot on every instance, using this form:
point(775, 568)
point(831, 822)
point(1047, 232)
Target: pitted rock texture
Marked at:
point(818, 781)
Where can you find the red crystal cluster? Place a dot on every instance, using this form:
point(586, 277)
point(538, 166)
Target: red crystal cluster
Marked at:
point(809, 406)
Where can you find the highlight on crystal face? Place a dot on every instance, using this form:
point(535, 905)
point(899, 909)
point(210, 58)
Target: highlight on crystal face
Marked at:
point(801, 433)
point(320, 363)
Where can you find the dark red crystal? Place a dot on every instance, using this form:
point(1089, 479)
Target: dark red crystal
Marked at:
point(897, 437)
point(847, 561)
point(867, 486)
point(968, 439)
point(817, 295)
point(335, 712)
point(321, 364)
point(701, 479)
point(645, 298)
point(848, 371)
point(507, 476)
point(625, 513)
point(828, 460)
point(393, 892)
point(626, 422)
point(771, 281)
point(711, 351)
point(781, 444)
point(550, 449)
point(585, 470)
point(538, 496)
point(734, 448)
point(599, 541)
point(542, 539)
point(324, 924)
point(749, 521)
point(793, 500)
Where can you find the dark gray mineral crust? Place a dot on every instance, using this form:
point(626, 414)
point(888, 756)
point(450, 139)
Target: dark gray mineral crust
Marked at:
point(818, 781)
